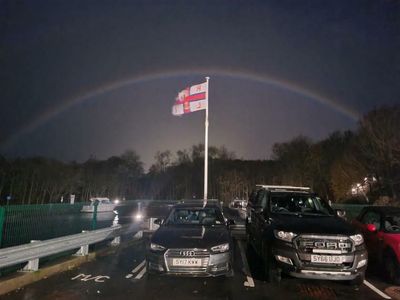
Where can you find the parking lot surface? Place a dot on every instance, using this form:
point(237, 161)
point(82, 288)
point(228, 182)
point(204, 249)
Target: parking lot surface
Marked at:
point(122, 275)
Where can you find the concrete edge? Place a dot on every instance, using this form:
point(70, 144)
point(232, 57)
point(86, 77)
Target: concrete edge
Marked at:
point(21, 279)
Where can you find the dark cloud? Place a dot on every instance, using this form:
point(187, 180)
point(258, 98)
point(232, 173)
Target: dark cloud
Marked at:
point(52, 51)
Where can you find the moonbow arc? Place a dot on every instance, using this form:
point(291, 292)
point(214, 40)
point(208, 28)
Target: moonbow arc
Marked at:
point(112, 86)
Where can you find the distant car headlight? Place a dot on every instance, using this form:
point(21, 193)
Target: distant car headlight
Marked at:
point(220, 248)
point(357, 239)
point(156, 247)
point(284, 235)
point(138, 216)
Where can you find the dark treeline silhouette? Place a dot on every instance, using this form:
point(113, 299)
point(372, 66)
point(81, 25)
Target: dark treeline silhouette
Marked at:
point(42, 180)
point(363, 164)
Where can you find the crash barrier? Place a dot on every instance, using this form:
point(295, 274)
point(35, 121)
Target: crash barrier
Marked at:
point(19, 224)
point(352, 210)
point(32, 252)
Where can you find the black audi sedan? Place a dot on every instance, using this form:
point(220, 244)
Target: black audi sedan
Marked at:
point(193, 240)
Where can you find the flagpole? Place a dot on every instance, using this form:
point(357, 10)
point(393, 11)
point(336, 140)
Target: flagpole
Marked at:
point(206, 146)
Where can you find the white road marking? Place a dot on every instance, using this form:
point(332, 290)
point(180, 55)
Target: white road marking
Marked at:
point(379, 292)
point(249, 282)
point(140, 275)
point(99, 278)
point(249, 279)
point(76, 277)
point(138, 267)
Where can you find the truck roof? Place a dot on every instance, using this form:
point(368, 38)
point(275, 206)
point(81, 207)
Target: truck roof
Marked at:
point(197, 203)
point(284, 188)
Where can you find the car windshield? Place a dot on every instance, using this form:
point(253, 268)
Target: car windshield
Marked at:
point(195, 216)
point(299, 204)
point(392, 223)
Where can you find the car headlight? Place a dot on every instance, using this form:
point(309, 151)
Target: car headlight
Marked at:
point(220, 248)
point(357, 239)
point(138, 216)
point(284, 235)
point(156, 247)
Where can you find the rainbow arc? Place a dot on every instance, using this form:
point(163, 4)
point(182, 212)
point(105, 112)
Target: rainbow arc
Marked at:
point(113, 86)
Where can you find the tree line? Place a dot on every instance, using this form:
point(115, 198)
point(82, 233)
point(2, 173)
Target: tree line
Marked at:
point(361, 165)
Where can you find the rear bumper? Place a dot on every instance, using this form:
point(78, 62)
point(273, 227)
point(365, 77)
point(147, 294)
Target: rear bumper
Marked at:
point(218, 265)
point(301, 268)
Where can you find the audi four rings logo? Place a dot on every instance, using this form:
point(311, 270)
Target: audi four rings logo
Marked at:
point(187, 253)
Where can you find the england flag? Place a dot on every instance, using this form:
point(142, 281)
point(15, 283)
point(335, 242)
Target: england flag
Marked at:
point(191, 99)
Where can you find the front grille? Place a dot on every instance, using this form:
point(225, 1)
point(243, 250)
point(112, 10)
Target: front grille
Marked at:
point(324, 244)
point(202, 254)
point(308, 245)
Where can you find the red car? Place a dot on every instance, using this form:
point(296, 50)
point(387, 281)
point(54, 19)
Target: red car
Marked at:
point(380, 226)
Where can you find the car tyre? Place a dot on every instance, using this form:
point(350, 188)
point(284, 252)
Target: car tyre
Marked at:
point(392, 268)
point(274, 273)
point(271, 271)
point(250, 246)
point(149, 274)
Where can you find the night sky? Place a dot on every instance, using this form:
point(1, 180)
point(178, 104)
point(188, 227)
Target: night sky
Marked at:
point(94, 78)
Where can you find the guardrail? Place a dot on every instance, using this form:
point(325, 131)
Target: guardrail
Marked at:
point(31, 253)
point(19, 224)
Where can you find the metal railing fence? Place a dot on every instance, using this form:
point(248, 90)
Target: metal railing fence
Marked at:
point(23, 223)
point(19, 224)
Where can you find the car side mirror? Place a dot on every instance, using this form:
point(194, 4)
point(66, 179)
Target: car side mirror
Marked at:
point(371, 227)
point(340, 213)
point(158, 221)
point(230, 222)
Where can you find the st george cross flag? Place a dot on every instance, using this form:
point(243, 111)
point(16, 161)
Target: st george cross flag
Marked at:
point(191, 99)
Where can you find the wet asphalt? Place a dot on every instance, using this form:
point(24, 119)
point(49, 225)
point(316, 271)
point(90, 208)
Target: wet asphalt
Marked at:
point(121, 275)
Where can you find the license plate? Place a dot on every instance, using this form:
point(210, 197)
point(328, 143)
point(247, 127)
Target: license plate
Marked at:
point(326, 259)
point(187, 262)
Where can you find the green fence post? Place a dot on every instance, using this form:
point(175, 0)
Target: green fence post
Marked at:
point(94, 220)
point(2, 218)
